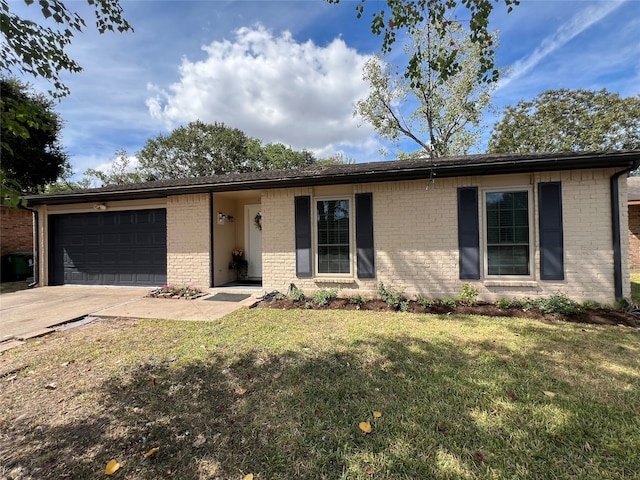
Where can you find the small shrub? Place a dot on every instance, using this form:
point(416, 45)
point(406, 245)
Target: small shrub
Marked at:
point(559, 304)
point(323, 296)
point(295, 294)
point(308, 305)
point(592, 305)
point(503, 303)
point(424, 302)
point(358, 300)
point(469, 294)
point(394, 298)
point(521, 303)
point(279, 296)
point(447, 301)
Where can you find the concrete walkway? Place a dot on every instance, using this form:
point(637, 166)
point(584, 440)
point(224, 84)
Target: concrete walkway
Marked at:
point(35, 312)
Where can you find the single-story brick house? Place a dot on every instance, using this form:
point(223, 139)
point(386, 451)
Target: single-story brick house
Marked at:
point(633, 191)
point(512, 225)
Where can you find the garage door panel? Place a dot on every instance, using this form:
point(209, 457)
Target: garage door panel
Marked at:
point(109, 248)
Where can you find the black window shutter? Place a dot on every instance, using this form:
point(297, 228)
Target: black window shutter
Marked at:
point(365, 253)
point(303, 236)
point(551, 238)
point(468, 233)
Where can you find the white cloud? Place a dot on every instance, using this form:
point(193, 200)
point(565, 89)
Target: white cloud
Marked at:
point(565, 33)
point(272, 88)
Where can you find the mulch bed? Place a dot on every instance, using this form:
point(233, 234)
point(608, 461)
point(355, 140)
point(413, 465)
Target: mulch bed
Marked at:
point(598, 316)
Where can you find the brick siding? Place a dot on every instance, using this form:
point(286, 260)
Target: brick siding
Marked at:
point(16, 230)
point(416, 239)
point(188, 233)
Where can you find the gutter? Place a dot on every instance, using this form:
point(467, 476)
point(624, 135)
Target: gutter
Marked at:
point(615, 224)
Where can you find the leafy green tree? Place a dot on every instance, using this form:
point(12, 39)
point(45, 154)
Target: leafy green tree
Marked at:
point(569, 120)
point(276, 156)
point(408, 16)
point(446, 119)
point(121, 171)
point(39, 50)
point(31, 154)
point(199, 150)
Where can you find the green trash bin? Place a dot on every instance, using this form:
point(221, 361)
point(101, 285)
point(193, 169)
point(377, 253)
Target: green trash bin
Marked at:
point(17, 266)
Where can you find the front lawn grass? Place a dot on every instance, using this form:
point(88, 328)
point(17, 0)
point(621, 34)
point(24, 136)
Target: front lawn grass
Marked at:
point(280, 394)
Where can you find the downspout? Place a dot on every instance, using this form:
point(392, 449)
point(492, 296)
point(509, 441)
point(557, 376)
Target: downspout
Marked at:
point(211, 227)
point(36, 246)
point(615, 223)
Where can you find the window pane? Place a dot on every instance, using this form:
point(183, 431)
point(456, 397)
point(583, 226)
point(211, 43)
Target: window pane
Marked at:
point(507, 215)
point(333, 236)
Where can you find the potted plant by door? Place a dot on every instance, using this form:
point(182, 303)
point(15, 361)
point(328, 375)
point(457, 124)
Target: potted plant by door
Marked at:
point(238, 263)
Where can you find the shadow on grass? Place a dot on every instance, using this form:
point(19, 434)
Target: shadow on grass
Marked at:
point(447, 412)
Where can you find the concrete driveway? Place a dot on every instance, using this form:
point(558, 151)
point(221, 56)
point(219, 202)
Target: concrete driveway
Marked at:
point(31, 313)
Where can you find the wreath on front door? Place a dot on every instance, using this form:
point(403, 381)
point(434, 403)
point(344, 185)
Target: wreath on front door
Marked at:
point(257, 221)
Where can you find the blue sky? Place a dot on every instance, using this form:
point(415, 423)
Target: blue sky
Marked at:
point(291, 71)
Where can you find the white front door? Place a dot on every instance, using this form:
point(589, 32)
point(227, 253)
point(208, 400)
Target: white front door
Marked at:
point(253, 240)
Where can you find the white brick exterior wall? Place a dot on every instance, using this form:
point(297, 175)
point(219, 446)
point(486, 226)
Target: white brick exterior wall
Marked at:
point(188, 234)
point(416, 237)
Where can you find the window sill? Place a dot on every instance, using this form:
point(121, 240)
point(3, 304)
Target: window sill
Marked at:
point(336, 280)
point(511, 283)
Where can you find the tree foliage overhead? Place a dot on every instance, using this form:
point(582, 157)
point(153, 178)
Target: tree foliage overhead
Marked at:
point(442, 116)
point(32, 156)
point(408, 16)
point(39, 50)
point(569, 120)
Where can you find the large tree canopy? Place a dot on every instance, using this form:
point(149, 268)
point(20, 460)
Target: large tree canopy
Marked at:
point(408, 16)
point(442, 116)
point(199, 150)
point(31, 156)
point(568, 120)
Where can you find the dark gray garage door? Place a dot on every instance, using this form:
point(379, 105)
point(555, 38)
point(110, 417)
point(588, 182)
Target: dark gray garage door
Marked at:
point(108, 248)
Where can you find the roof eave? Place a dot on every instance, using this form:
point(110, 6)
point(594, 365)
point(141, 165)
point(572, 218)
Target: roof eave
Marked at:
point(304, 179)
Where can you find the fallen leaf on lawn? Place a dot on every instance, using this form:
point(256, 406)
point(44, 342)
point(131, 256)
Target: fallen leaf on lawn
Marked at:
point(151, 452)
point(369, 471)
point(480, 456)
point(511, 395)
point(112, 467)
point(377, 414)
point(240, 391)
point(365, 427)
point(199, 441)
point(248, 476)
point(51, 386)
point(587, 447)
point(549, 394)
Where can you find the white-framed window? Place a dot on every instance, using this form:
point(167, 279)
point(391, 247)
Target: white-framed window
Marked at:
point(508, 232)
point(333, 238)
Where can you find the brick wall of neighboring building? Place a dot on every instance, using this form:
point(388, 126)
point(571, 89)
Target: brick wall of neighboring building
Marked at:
point(634, 238)
point(16, 230)
point(416, 237)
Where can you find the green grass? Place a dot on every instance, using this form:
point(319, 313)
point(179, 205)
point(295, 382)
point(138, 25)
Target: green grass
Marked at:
point(280, 394)
point(635, 287)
